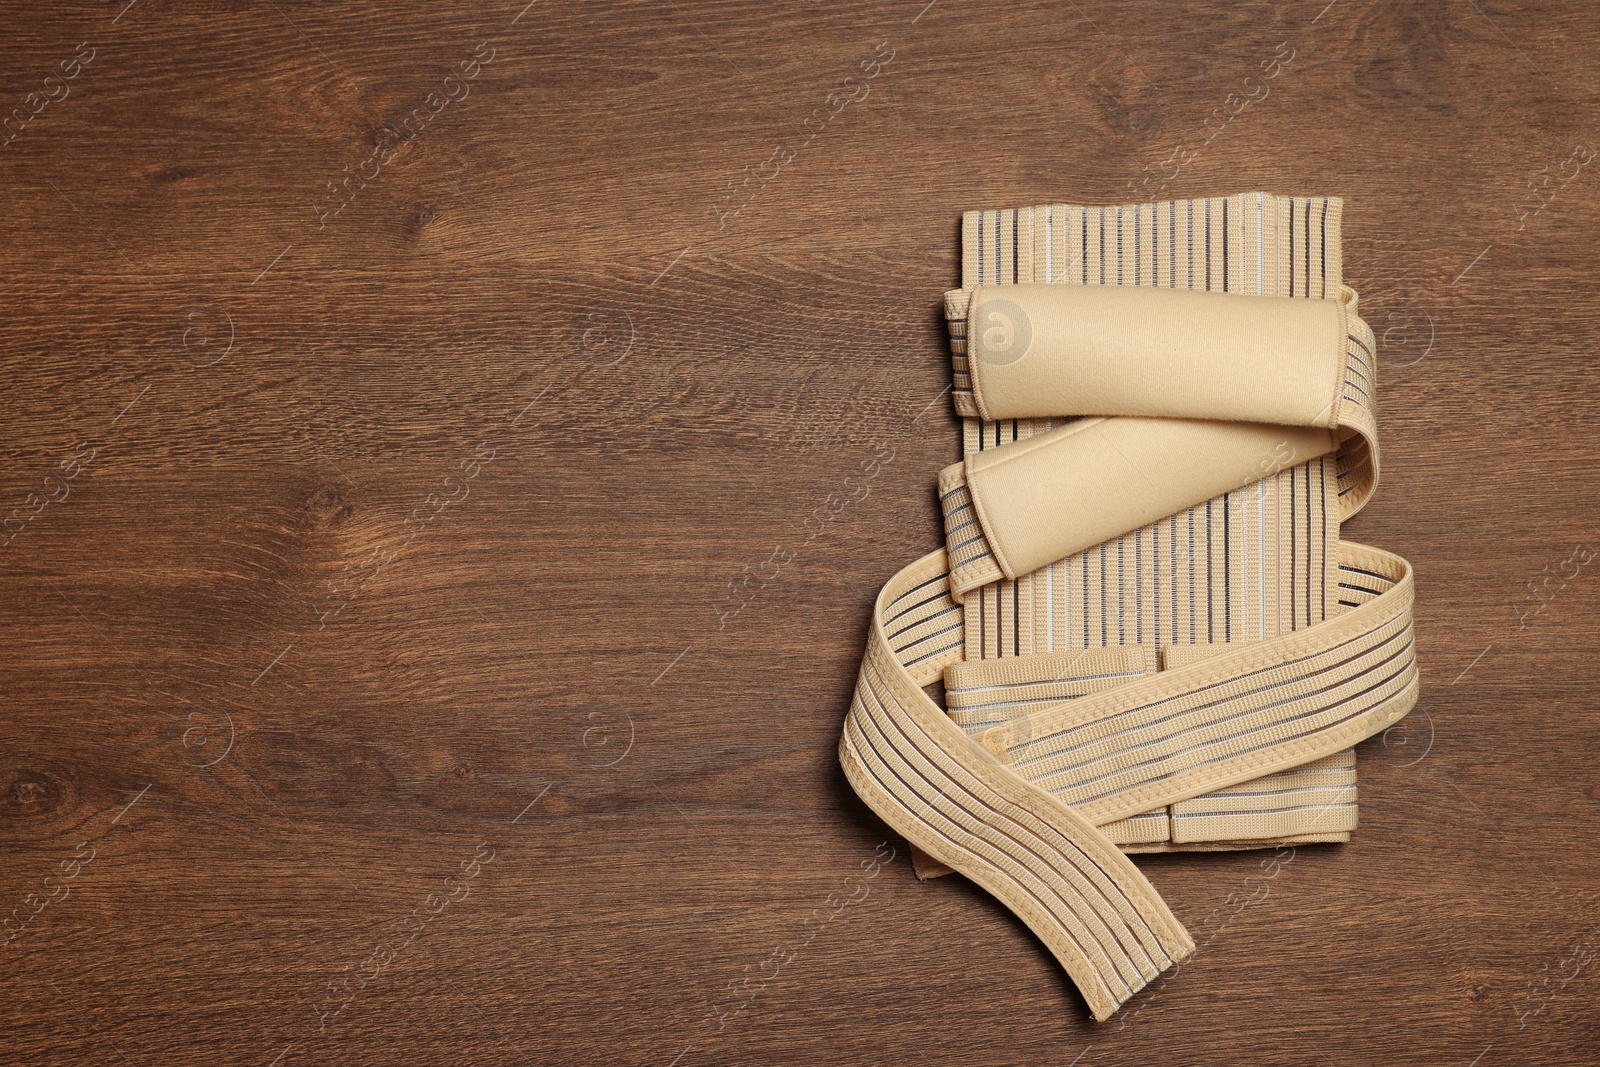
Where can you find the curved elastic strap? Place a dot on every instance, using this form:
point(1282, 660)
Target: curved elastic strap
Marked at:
point(1084, 899)
point(1017, 814)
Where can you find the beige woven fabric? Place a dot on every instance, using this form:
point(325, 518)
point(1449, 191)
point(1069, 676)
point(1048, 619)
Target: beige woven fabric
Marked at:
point(1150, 632)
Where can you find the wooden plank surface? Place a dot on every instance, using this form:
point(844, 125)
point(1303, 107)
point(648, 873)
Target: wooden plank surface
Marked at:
point(400, 389)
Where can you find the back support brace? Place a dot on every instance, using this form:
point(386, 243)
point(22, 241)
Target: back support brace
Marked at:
point(1150, 633)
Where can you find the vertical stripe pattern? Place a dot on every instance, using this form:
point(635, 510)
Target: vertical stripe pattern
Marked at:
point(1250, 565)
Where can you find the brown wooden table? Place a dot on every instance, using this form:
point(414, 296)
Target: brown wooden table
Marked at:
point(396, 401)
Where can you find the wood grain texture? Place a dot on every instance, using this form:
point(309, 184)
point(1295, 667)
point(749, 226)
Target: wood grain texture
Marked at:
point(355, 535)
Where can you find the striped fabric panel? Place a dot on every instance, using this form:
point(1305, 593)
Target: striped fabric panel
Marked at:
point(1357, 586)
point(1235, 844)
point(1091, 762)
point(955, 313)
point(924, 627)
point(1248, 565)
point(971, 559)
point(1358, 393)
point(1359, 385)
point(1247, 243)
point(1351, 466)
point(1317, 797)
point(983, 693)
point(1245, 566)
point(1150, 828)
point(1000, 616)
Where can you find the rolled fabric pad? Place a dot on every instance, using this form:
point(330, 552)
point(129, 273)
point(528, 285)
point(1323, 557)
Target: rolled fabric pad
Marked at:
point(1050, 350)
point(1053, 495)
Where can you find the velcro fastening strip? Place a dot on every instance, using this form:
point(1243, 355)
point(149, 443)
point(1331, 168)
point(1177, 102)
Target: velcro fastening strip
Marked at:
point(1043, 350)
point(981, 694)
point(1056, 494)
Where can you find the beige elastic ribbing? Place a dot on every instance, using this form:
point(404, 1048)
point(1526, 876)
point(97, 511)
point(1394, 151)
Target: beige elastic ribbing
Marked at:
point(1150, 632)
